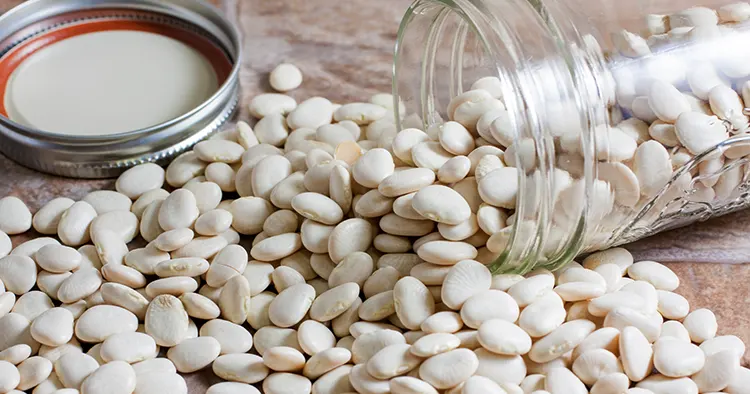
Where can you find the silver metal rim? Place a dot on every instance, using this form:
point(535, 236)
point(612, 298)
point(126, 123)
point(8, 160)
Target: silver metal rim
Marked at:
point(107, 156)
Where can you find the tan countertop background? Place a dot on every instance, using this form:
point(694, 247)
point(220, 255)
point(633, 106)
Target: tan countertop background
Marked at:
point(345, 52)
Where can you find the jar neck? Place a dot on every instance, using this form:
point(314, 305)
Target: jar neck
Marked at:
point(552, 84)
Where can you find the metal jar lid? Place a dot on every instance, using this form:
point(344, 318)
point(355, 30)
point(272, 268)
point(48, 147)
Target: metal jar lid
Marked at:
point(108, 155)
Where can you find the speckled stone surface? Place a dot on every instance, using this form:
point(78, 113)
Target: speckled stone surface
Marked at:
point(345, 52)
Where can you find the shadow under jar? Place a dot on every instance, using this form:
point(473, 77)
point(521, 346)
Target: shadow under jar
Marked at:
point(616, 120)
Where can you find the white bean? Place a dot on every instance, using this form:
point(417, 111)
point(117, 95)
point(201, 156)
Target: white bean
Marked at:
point(562, 339)
point(130, 347)
point(503, 337)
point(430, 155)
point(285, 77)
point(9, 376)
point(701, 325)
point(115, 378)
point(18, 273)
point(166, 320)
point(53, 327)
point(449, 369)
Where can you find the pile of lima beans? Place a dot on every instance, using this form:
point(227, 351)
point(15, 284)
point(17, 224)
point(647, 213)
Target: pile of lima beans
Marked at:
point(364, 271)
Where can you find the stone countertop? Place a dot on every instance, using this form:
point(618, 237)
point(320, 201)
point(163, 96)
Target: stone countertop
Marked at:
point(345, 52)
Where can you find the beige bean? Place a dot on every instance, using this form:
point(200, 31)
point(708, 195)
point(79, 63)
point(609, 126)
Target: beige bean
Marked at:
point(405, 141)
point(675, 329)
point(285, 77)
point(413, 302)
point(187, 266)
point(314, 337)
point(145, 259)
point(232, 337)
point(81, 284)
point(406, 181)
point(564, 338)
point(341, 323)
point(446, 252)
point(115, 377)
point(622, 316)
point(283, 382)
point(130, 347)
point(73, 228)
point(125, 297)
point(447, 322)
point(140, 205)
point(503, 337)
point(486, 305)
point(124, 275)
point(562, 380)
point(57, 258)
point(271, 103)
point(388, 243)
point(105, 201)
point(676, 358)
point(207, 195)
point(194, 354)
point(229, 262)
point(503, 282)
point(464, 279)
point(349, 236)
point(698, 132)
point(249, 213)
point(662, 384)
point(397, 225)
point(718, 371)
point(317, 207)
point(223, 175)
point(291, 305)
point(46, 220)
point(281, 222)
point(701, 325)
point(276, 247)
point(54, 327)
point(257, 314)
point(176, 286)
point(334, 302)
point(392, 361)
point(73, 368)
point(441, 204)
point(360, 113)
point(16, 354)
point(172, 240)
point(234, 300)
point(179, 210)
point(32, 304)
point(604, 338)
point(312, 113)
point(378, 307)
point(183, 168)
point(449, 369)
point(636, 354)
point(140, 179)
point(454, 170)
point(430, 155)
point(455, 138)
point(149, 226)
point(33, 371)
point(242, 367)
point(272, 129)
point(166, 320)
point(461, 231)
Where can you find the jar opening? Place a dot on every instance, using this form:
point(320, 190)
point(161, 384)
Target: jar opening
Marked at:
point(445, 48)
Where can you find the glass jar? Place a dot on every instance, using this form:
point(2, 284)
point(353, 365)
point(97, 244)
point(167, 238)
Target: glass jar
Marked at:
point(618, 119)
